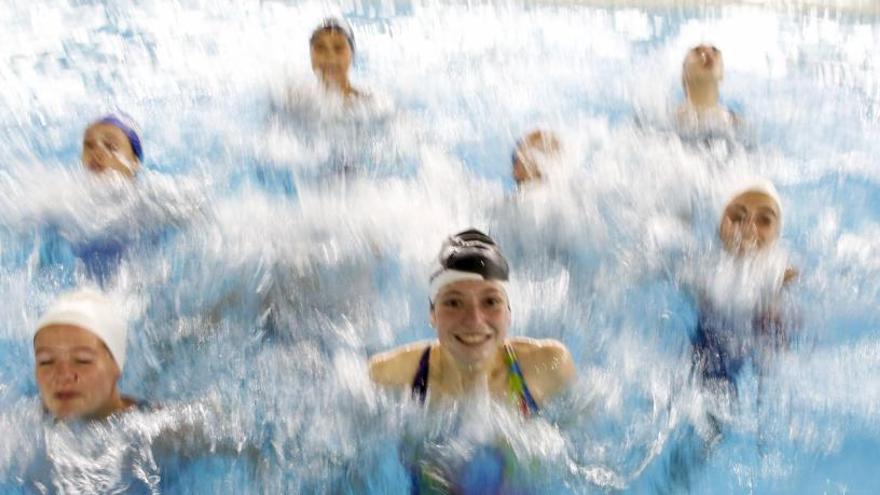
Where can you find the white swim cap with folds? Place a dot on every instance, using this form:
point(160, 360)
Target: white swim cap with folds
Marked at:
point(445, 277)
point(754, 184)
point(92, 311)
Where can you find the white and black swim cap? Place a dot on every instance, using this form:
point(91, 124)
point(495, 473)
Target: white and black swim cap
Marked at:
point(468, 255)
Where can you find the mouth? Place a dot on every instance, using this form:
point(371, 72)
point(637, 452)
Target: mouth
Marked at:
point(473, 339)
point(66, 396)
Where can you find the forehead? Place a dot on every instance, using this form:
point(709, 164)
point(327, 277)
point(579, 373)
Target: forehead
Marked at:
point(754, 200)
point(329, 35)
point(65, 336)
point(104, 130)
point(472, 287)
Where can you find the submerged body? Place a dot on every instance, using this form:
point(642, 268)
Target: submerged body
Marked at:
point(744, 318)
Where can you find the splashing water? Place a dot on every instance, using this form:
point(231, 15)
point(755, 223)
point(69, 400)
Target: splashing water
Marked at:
point(276, 239)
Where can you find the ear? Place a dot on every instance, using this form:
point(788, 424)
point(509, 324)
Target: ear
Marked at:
point(432, 318)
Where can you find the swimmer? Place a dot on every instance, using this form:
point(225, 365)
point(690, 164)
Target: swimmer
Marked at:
point(750, 225)
point(79, 348)
point(332, 50)
point(531, 154)
point(701, 75)
point(111, 143)
point(470, 312)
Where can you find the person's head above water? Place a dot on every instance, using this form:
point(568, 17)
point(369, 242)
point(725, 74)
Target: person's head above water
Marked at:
point(469, 305)
point(332, 50)
point(470, 311)
point(79, 348)
point(112, 144)
point(531, 153)
point(701, 73)
point(752, 218)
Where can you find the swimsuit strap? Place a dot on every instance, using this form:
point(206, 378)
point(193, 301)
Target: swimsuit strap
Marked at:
point(420, 381)
point(516, 384)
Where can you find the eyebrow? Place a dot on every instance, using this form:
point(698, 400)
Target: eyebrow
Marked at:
point(75, 349)
point(767, 209)
point(451, 292)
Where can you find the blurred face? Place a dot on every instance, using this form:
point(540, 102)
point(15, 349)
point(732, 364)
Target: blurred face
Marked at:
point(331, 57)
point(76, 374)
point(471, 318)
point(107, 148)
point(703, 64)
point(530, 156)
point(750, 222)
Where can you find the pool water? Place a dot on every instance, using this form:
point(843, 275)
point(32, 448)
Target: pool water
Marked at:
point(274, 242)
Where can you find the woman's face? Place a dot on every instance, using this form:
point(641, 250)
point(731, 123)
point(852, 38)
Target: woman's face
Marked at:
point(702, 64)
point(331, 57)
point(106, 147)
point(749, 223)
point(534, 151)
point(471, 318)
point(76, 374)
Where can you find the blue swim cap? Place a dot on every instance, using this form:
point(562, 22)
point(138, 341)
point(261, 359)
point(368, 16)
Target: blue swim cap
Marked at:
point(335, 24)
point(127, 126)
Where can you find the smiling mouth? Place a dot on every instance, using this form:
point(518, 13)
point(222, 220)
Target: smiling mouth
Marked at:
point(473, 339)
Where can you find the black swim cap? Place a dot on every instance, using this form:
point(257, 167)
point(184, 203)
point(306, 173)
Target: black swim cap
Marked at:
point(334, 24)
point(474, 252)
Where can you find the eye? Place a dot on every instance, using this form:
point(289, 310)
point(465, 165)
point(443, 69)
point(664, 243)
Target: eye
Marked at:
point(45, 362)
point(451, 303)
point(110, 145)
point(493, 301)
point(736, 216)
point(765, 220)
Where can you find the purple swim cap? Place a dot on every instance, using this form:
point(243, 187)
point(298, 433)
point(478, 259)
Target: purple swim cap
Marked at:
point(126, 125)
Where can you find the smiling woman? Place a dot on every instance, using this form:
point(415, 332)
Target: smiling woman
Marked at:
point(470, 311)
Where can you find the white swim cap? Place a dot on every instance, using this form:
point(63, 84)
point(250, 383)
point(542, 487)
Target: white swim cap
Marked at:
point(92, 311)
point(758, 185)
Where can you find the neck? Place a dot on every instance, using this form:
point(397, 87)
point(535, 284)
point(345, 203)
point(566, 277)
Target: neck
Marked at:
point(464, 378)
point(342, 87)
point(703, 96)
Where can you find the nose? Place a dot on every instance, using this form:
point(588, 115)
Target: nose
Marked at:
point(65, 374)
point(473, 315)
point(705, 54)
point(750, 229)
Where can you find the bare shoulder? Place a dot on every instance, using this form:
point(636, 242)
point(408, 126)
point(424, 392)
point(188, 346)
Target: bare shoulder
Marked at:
point(397, 366)
point(546, 364)
point(539, 349)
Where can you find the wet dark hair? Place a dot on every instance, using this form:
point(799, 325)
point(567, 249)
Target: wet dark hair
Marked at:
point(337, 25)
